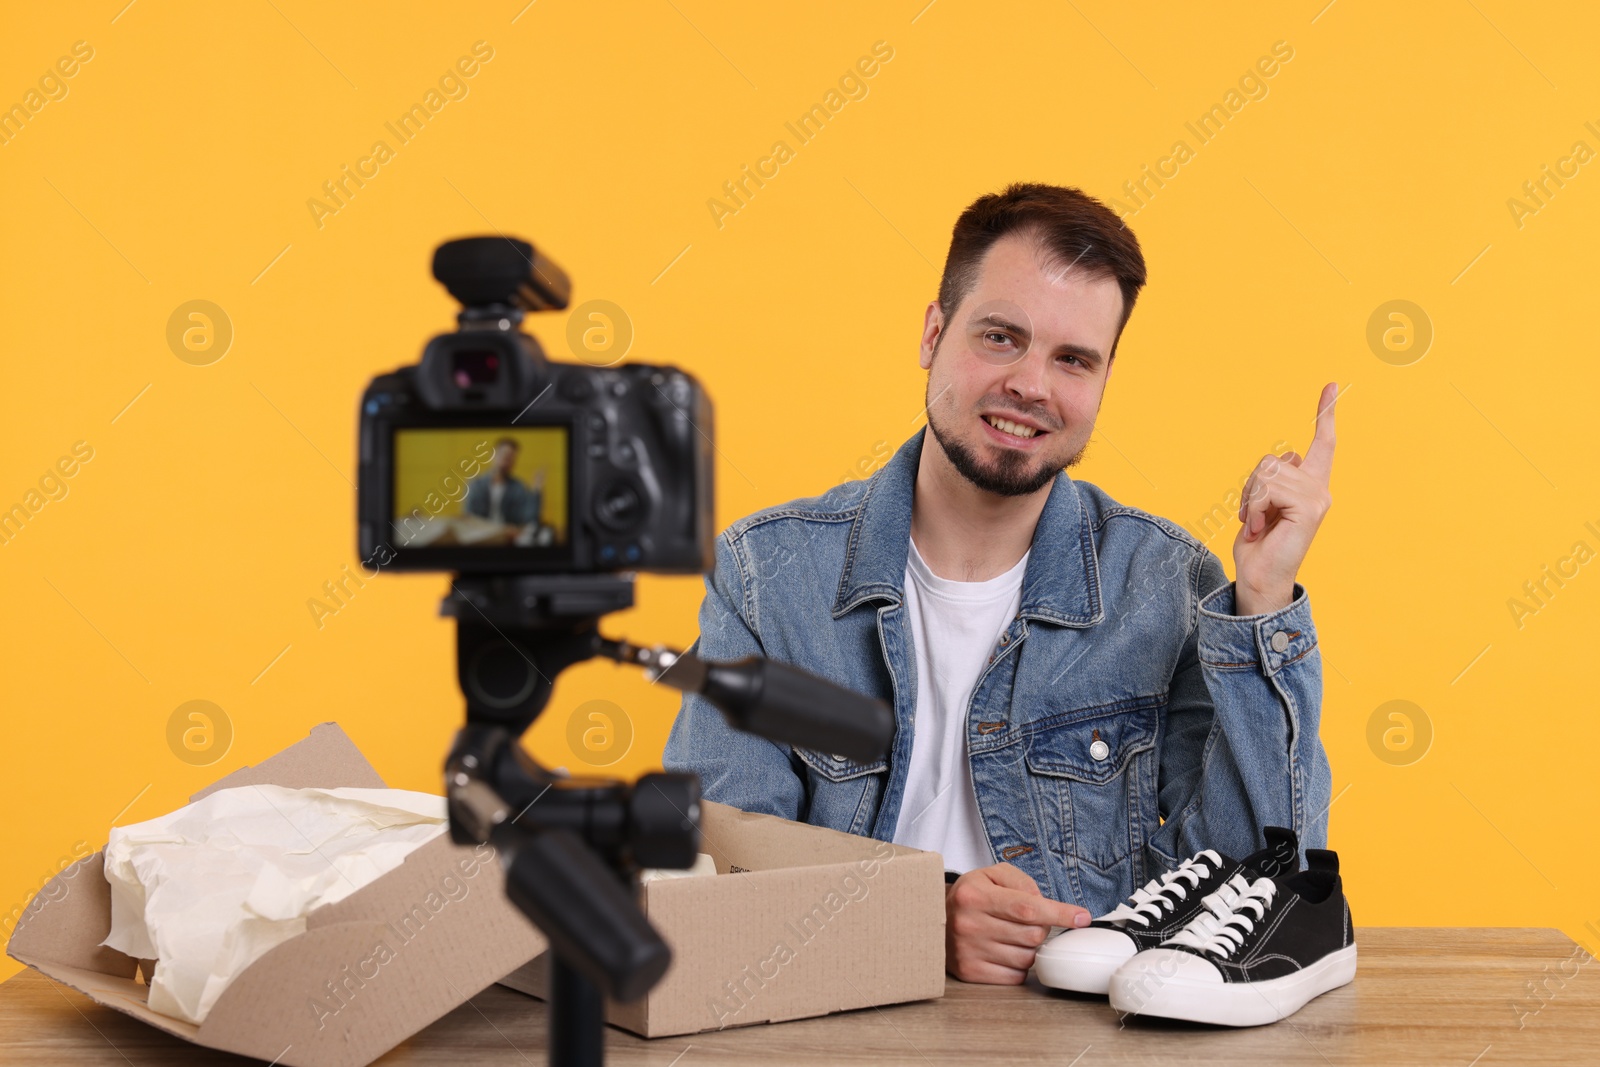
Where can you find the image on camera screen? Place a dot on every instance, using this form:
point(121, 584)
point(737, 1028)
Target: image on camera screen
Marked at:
point(485, 485)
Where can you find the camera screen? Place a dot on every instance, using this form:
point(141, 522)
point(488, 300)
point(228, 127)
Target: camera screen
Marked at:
point(481, 486)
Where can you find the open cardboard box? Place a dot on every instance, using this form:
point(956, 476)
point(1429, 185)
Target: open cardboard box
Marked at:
point(798, 921)
point(370, 970)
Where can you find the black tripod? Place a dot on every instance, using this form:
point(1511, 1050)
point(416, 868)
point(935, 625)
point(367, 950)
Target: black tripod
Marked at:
point(572, 847)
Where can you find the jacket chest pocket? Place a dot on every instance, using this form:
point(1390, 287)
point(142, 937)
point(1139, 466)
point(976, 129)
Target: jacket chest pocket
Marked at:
point(1092, 776)
point(841, 793)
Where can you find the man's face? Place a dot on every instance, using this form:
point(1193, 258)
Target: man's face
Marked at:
point(1029, 345)
point(505, 457)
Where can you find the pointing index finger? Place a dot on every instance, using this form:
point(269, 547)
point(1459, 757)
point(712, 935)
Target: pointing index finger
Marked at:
point(1319, 457)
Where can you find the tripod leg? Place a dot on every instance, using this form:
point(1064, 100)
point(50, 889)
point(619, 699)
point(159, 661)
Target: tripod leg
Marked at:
point(577, 1018)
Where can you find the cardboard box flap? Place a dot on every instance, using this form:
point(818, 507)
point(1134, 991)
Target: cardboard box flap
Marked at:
point(431, 877)
point(340, 992)
point(748, 841)
point(122, 994)
point(326, 997)
point(326, 759)
point(65, 923)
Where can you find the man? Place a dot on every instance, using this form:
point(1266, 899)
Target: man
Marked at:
point(1082, 699)
point(501, 496)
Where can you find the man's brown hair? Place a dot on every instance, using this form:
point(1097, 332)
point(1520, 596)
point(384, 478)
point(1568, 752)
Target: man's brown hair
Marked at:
point(1073, 230)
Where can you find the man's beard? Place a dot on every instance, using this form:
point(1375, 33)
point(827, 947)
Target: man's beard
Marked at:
point(1012, 473)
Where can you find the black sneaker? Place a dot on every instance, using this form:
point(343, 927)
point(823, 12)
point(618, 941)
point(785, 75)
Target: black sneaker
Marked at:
point(1260, 949)
point(1084, 958)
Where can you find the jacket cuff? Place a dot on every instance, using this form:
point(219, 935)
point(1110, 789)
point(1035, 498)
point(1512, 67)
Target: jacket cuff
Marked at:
point(1269, 642)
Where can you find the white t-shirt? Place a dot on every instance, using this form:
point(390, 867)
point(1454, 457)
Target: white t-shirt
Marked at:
point(954, 627)
point(497, 493)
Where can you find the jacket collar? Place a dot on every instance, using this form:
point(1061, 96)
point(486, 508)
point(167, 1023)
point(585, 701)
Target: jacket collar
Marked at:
point(1062, 580)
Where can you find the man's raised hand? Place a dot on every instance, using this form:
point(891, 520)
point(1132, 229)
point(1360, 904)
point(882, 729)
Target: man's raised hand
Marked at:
point(1285, 499)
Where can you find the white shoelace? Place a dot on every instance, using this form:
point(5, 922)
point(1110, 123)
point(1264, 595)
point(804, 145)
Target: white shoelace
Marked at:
point(1230, 914)
point(1161, 895)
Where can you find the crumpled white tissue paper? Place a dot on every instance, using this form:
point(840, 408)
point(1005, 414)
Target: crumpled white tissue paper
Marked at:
point(703, 864)
point(208, 889)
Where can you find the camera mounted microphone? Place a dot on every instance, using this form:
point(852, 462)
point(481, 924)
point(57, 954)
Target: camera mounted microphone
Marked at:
point(772, 700)
point(492, 275)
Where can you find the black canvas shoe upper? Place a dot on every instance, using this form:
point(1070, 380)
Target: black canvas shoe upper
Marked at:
point(1253, 929)
point(1166, 904)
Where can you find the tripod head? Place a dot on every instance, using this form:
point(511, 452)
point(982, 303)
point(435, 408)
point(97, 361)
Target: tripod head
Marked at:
point(572, 846)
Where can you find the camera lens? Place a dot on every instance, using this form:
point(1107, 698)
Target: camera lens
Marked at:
point(620, 506)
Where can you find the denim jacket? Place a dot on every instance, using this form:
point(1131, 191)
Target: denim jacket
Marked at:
point(1126, 718)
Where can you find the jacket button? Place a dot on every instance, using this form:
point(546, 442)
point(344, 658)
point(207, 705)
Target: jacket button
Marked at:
point(1099, 750)
point(1280, 641)
point(838, 759)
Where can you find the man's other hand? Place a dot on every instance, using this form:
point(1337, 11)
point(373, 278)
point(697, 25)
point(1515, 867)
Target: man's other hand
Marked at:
point(995, 920)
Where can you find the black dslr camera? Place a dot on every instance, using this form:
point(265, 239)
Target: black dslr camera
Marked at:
point(486, 458)
point(545, 487)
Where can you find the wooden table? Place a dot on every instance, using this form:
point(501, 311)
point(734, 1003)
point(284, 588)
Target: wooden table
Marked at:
point(1423, 995)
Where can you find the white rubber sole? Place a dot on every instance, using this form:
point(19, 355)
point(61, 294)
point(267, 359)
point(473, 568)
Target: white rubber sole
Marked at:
point(1081, 973)
point(1136, 991)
